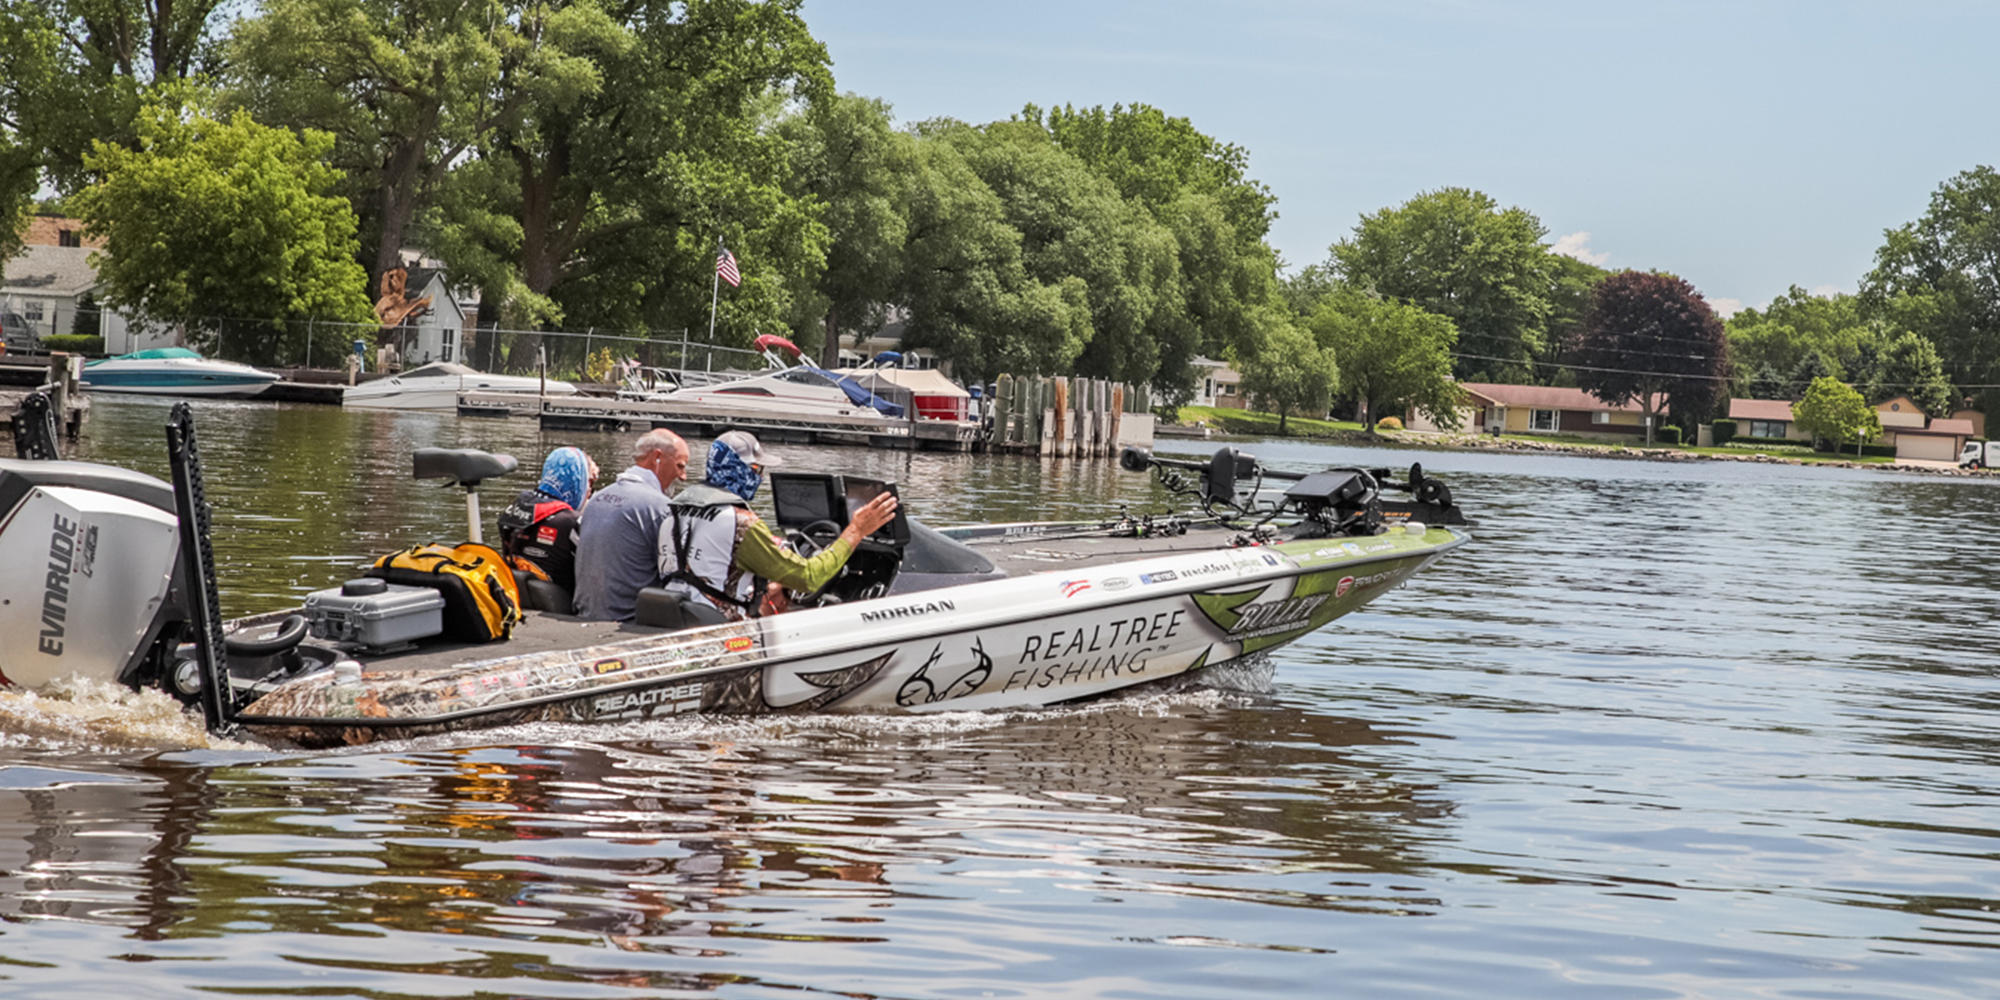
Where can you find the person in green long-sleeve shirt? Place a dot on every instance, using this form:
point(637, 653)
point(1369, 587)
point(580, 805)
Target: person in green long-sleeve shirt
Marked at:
point(713, 548)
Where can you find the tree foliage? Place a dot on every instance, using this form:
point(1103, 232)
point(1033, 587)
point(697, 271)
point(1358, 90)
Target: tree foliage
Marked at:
point(1650, 338)
point(1832, 410)
point(1797, 323)
point(849, 159)
point(404, 86)
point(1910, 366)
point(1391, 356)
point(1290, 374)
point(213, 218)
point(1940, 277)
point(77, 72)
point(1456, 253)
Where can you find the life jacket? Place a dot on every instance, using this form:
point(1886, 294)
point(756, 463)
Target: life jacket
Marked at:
point(534, 542)
point(697, 552)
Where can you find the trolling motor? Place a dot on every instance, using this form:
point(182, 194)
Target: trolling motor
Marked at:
point(1338, 501)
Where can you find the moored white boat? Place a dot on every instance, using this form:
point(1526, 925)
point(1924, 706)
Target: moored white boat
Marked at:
point(436, 387)
point(174, 371)
point(797, 388)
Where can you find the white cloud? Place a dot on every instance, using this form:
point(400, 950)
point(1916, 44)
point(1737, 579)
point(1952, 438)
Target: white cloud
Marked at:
point(1574, 245)
point(1726, 308)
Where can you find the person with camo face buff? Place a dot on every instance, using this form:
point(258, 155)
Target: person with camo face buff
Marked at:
point(715, 550)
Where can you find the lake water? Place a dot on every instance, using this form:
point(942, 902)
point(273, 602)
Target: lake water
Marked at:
point(1660, 730)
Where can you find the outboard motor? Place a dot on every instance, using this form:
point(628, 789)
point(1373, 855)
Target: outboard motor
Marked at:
point(92, 554)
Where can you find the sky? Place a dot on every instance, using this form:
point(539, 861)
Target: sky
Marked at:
point(1746, 146)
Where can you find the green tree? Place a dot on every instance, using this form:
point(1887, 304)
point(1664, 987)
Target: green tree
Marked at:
point(1767, 383)
point(850, 159)
point(77, 72)
point(1910, 366)
point(1455, 252)
point(404, 86)
point(224, 218)
point(1200, 189)
point(1572, 284)
point(1391, 356)
point(1812, 367)
point(1832, 410)
point(1290, 374)
point(628, 137)
point(1650, 338)
point(1797, 323)
point(1075, 228)
point(969, 297)
point(1940, 276)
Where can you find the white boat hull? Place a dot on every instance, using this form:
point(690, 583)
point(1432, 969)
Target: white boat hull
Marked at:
point(1025, 641)
point(176, 377)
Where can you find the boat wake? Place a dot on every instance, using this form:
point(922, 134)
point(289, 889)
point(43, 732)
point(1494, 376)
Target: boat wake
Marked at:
point(77, 712)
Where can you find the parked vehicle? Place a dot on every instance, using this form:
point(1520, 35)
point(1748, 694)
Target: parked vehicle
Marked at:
point(17, 334)
point(1979, 455)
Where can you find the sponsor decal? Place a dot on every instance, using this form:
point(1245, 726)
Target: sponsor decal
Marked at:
point(1277, 616)
point(664, 700)
point(608, 666)
point(55, 587)
point(1207, 569)
point(907, 611)
point(1340, 589)
point(546, 534)
point(1163, 576)
point(924, 689)
point(1086, 654)
point(1116, 583)
point(1071, 588)
point(1352, 548)
point(738, 644)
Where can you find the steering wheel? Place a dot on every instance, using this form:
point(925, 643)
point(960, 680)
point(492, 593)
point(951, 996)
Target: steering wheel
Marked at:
point(290, 632)
point(813, 539)
point(810, 541)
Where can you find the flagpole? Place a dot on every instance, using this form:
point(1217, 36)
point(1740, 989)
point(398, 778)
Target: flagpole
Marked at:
point(714, 290)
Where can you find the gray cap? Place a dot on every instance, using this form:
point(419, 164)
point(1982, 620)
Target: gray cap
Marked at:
point(748, 448)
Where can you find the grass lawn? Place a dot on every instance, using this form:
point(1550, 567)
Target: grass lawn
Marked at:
point(1251, 422)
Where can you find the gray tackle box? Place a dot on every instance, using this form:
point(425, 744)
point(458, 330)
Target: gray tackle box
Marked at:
point(375, 612)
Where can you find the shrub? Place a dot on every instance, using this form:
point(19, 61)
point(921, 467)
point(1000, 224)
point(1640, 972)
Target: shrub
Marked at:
point(74, 343)
point(1389, 424)
point(1725, 431)
point(1668, 435)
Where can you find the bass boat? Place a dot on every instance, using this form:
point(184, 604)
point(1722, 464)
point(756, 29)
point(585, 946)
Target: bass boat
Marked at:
point(923, 619)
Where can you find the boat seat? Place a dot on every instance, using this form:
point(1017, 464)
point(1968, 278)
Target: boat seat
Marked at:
point(461, 466)
point(538, 594)
point(659, 607)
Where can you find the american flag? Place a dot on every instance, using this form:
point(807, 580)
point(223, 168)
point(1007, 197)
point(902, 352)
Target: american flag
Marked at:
point(725, 265)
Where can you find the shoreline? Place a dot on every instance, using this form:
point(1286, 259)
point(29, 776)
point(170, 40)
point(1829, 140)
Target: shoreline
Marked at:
point(1478, 442)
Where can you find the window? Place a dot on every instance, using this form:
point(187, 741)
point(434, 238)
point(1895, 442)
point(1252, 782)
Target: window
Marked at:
point(450, 337)
point(1767, 428)
point(68, 238)
point(32, 310)
point(1541, 420)
point(1600, 416)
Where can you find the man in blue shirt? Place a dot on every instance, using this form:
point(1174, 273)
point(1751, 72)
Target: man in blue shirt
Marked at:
point(621, 525)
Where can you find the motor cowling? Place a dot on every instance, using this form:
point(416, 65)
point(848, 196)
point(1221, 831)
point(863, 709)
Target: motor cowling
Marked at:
point(89, 582)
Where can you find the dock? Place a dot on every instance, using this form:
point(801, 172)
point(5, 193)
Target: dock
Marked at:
point(58, 373)
point(599, 413)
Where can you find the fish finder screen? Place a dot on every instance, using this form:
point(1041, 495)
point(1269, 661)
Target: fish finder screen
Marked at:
point(859, 492)
point(803, 500)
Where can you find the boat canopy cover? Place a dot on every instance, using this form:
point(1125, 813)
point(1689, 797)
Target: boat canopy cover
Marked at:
point(855, 390)
point(438, 368)
point(920, 381)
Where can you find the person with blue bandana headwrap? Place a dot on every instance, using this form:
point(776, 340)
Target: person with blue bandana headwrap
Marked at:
point(538, 530)
point(715, 551)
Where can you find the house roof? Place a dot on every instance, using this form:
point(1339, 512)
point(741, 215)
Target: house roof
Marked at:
point(40, 270)
point(1961, 428)
point(1544, 397)
point(1760, 409)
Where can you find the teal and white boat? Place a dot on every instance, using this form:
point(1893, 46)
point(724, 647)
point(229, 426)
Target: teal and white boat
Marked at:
point(174, 371)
